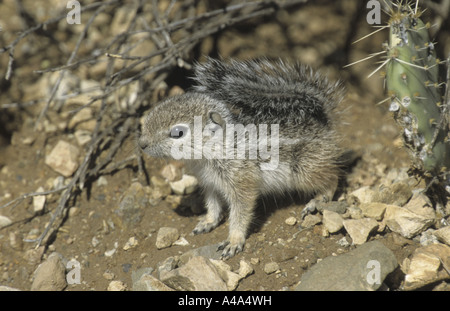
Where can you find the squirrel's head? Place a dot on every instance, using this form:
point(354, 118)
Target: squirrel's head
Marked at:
point(177, 125)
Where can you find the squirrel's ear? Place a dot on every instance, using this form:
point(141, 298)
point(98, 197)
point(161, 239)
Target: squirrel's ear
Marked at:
point(216, 118)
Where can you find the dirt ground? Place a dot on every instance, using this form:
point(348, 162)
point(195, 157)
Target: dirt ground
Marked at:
point(319, 34)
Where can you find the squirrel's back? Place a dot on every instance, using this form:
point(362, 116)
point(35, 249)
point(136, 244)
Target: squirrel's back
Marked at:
point(262, 91)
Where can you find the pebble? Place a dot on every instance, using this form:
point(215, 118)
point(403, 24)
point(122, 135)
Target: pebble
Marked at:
point(405, 222)
point(83, 120)
point(117, 286)
point(8, 289)
point(230, 278)
point(208, 251)
point(350, 271)
point(198, 274)
point(149, 283)
point(171, 172)
point(396, 194)
point(186, 185)
point(373, 210)
point(166, 237)
point(181, 242)
point(360, 229)
point(311, 220)
point(271, 267)
point(291, 221)
point(332, 221)
point(427, 265)
point(245, 268)
point(443, 234)
point(63, 158)
point(102, 181)
point(131, 243)
point(111, 252)
point(39, 201)
point(364, 194)
point(83, 137)
point(166, 266)
point(50, 275)
point(4, 221)
point(427, 237)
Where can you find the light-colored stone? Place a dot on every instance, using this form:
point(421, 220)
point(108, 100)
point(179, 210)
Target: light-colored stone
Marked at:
point(39, 201)
point(427, 265)
point(117, 286)
point(4, 221)
point(373, 210)
point(50, 275)
point(63, 158)
point(360, 229)
point(148, 283)
point(186, 185)
point(131, 243)
point(197, 274)
point(364, 194)
point(443, 235)
point(83, 137)
point(311, 221)
point(291, 221)
point(405, 222)
point(83, 120)
point(271, 267)
point(332, 221)
point(166, 237)
point(230, 278)
point(171, 172)
point(245, 269)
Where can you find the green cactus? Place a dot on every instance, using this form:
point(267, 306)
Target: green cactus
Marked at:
point(412, 84)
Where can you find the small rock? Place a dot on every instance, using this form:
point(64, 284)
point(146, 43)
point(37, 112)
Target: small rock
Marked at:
point(231, 279)
point(343, 242)
point(8, 289)
point(131, 243)
point(396, 194)
point(427, 265)
point(427, 237)
point(181, 242)
point(83, 120)
point(166, 266)
point(421, 205)
point(117, 286)
point(50, 275)
point(364, 194)
point(33, 256)
point(405, 222)
point(373, 210)
point(83, 137)
point(362, 269)
point(355, 212)
point(245, 269)
point(108, 275)
point(197, 274)
point(186, 185)
point(359, 229)
point(16, 241)
point(166, 237)
point(4, 221)
point(332, 221)
point(311, 220)
point(111, 252)
point(63, 158)
point(208, 251)
point(271, 267)
point(149, 283)
point(443, 234)
point(291, 221)
point(95, 242)
point(102, 181)
point(171, 172)
point(39, 201)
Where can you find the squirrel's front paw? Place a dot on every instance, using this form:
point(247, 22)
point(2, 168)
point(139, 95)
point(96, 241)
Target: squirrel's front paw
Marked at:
point(205, 225)
point(233, 245)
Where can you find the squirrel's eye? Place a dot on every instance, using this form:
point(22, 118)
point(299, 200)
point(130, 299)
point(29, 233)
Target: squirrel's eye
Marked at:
point(178, 131)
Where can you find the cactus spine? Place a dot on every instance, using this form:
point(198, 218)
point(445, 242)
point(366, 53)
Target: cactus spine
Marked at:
point(412, 83)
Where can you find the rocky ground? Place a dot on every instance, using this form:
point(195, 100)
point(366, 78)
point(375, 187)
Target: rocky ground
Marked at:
point(121, 233)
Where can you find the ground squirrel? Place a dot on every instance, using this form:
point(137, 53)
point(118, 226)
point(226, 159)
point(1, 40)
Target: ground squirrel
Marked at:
point(225, 126)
